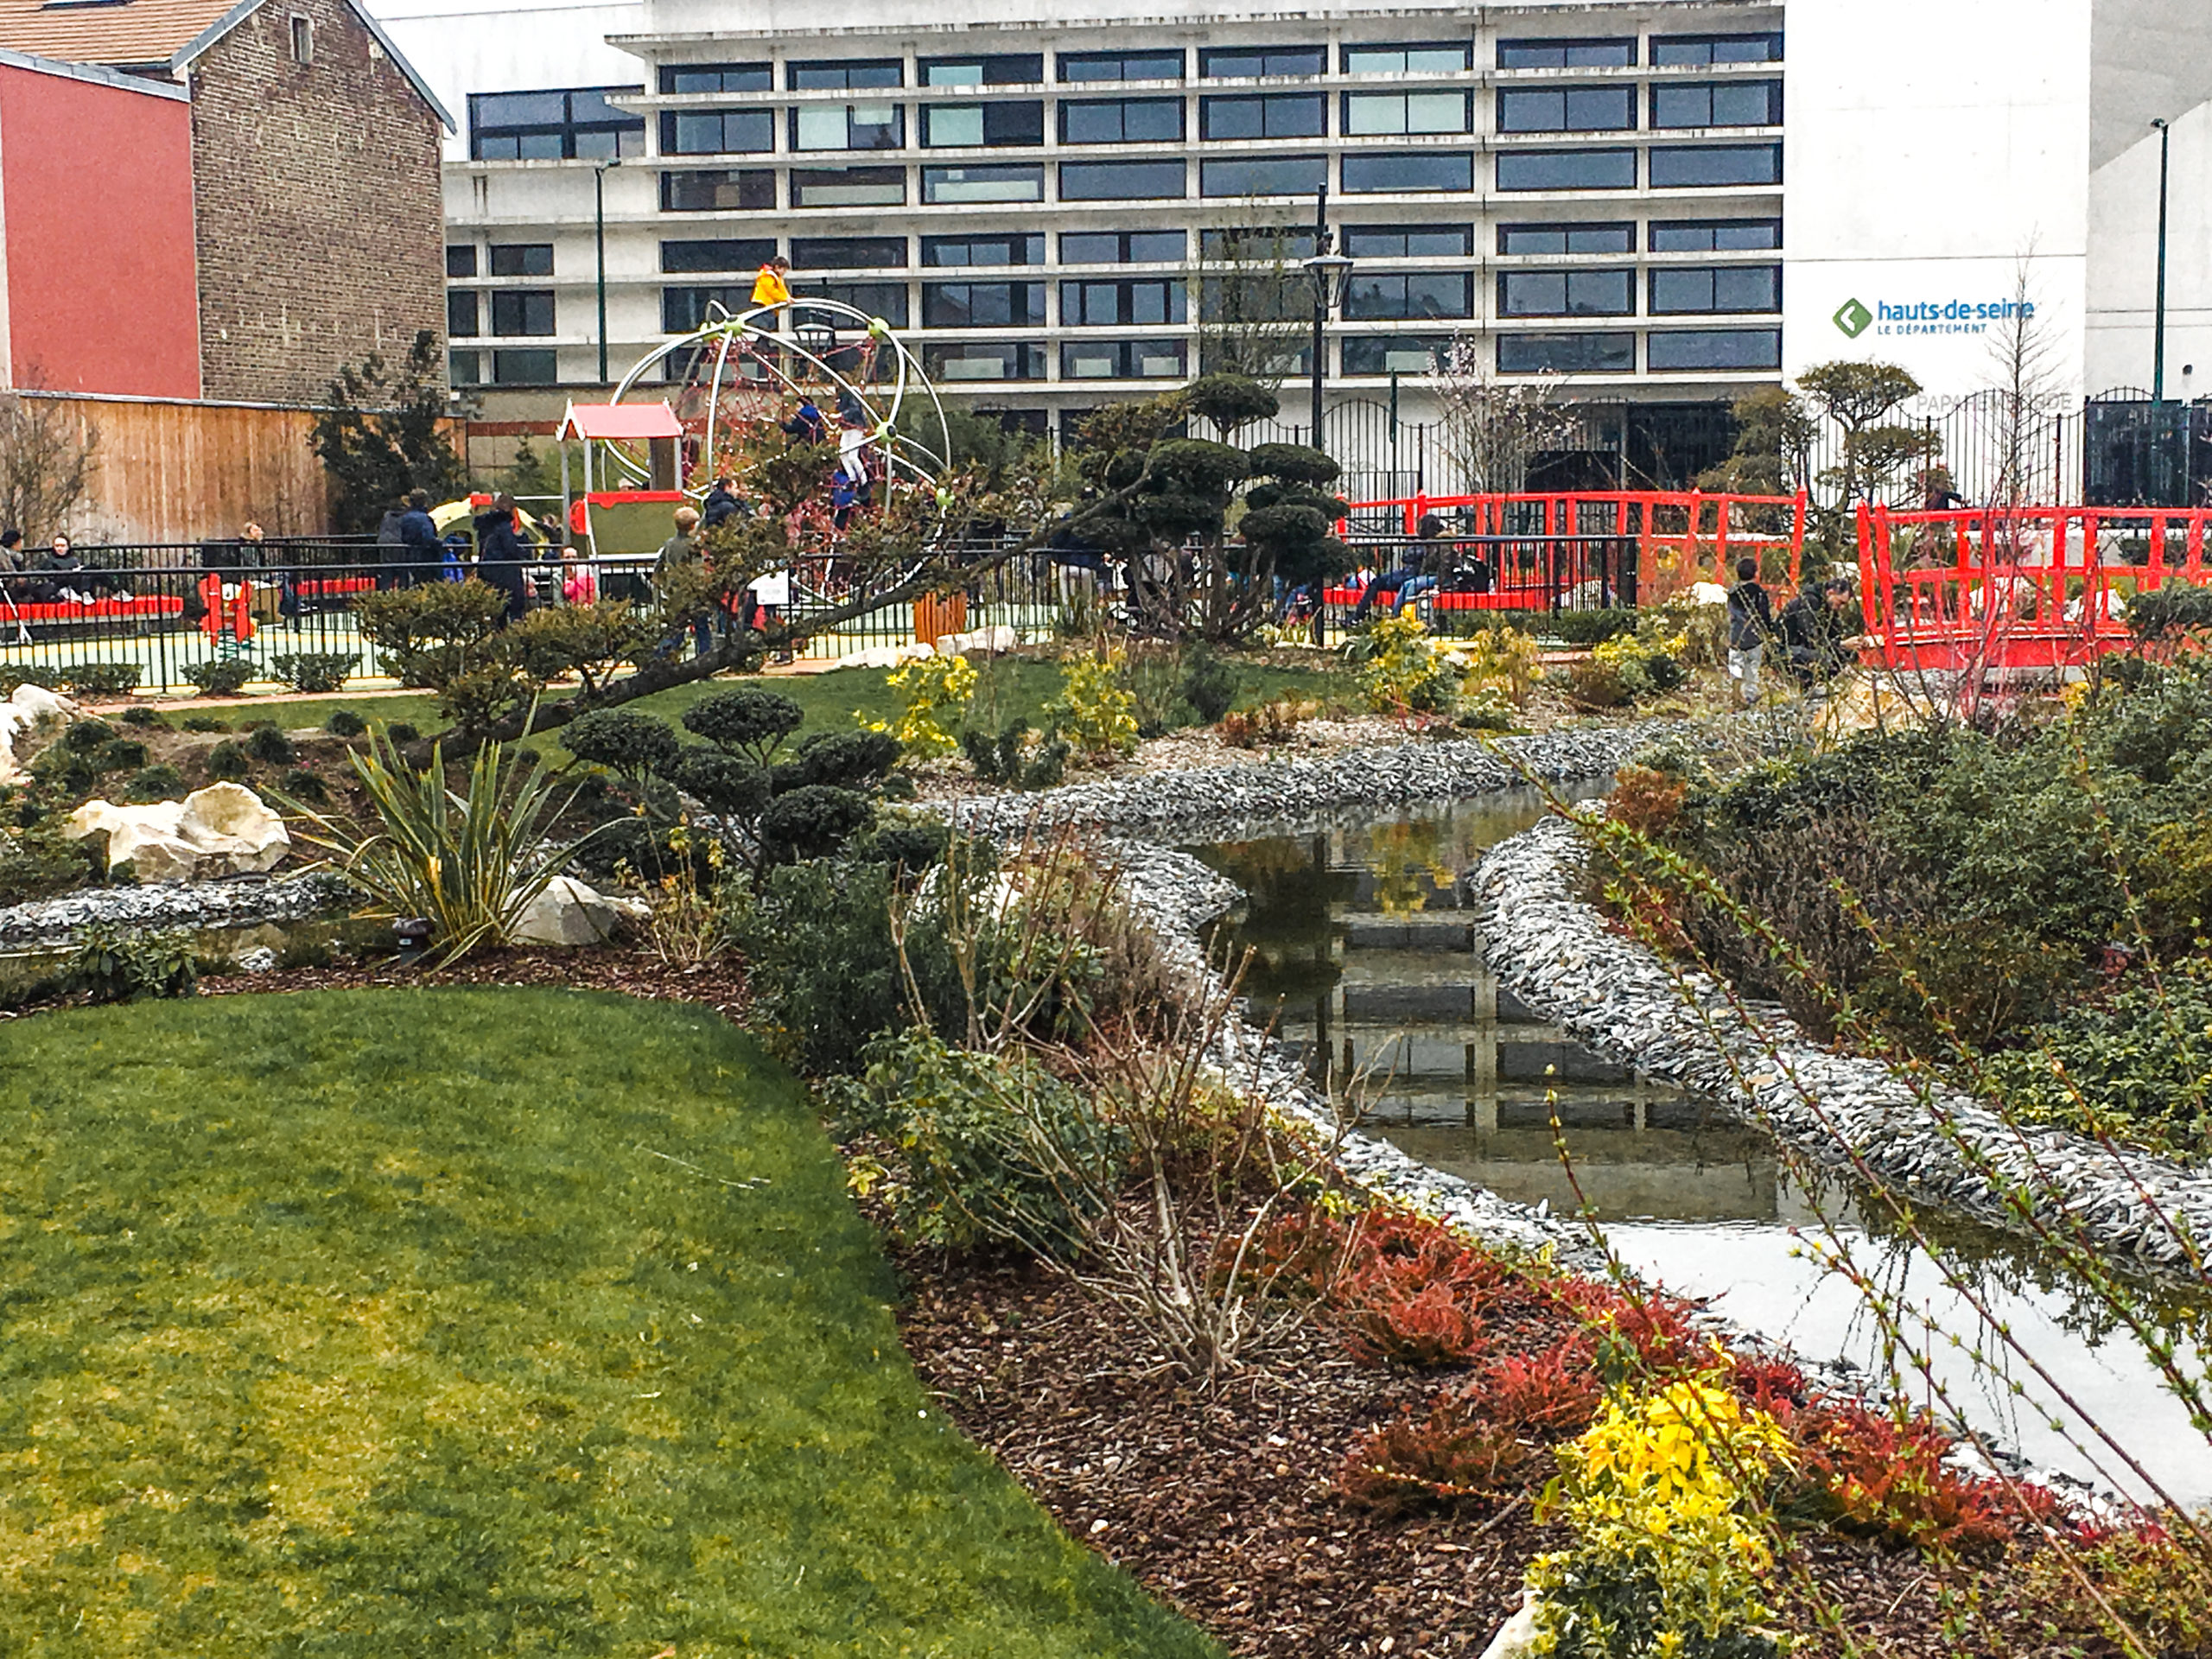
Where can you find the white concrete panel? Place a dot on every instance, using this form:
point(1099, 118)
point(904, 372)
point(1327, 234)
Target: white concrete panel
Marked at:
point(2123, 262)
point(1929, 149)
point(2151, 58)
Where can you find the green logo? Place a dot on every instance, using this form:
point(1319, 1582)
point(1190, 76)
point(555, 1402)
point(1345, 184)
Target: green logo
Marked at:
point(1852, 318)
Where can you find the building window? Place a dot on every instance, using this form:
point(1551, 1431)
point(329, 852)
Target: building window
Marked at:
point(1613, 354)
point(1446, 57)
point(684, 309)
point(721, 190)
point(883, 300)
point(996, 69)
point(521, 311)
point(526, 368)
point(1718, 104)
point(1554, 240)
point(738, 253)
point(982, 305)
point(1122, 181)
point(1715, 235)
point(1715, 348)
point(1120, 305)
point(717, 132)
point(302, 39)
point(1404, 112)
point(464, 368)
point(1409, 241)
point(1251, 62)
point(1671, 50)
point(1122, 359)
point(849, 252)
point(461, 313)
point(1255, 244)
point(849, 187)
point(1401, 171)
point(998, 249)
point(1412, 295)
point(1271, 175)
point(522, 259)
point(1121, 66)
point(1685, 289)
point(976, 359)
point(678, 78)
point(1566, 109)
point(1123, 247)
point(1392, 354)
point(1567, 54)
point(1567, 169)
point(942, 185)
point(1277, 115)
point(1566, 293)
point(844, 75)
point(1121, 121)
point(553, 126)
point(982, 126)
point(1271, 294)
point(849, 126)
point(1690, 167)
point(460, 259)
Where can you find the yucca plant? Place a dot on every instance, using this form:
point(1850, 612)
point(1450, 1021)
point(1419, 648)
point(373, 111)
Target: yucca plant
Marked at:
point(470, 863)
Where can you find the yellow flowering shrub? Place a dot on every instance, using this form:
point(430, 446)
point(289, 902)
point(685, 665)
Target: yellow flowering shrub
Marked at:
point(1668, 1551)
point(1402, 670)
point(933, 693)
point(1503, 660)
point(1095, 710)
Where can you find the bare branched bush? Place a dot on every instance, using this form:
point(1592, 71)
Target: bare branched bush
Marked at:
point(47, 456)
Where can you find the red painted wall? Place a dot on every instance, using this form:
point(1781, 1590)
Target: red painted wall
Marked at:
point(96, 190)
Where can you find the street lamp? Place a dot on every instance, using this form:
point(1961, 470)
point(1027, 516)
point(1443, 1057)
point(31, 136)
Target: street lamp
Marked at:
point(1330, 273)
point(599, 236)
point(2158, 326)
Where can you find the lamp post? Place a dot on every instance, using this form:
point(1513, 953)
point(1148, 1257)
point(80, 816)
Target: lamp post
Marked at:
point(598, 237)
point(1330, 273)
point(2158, 326)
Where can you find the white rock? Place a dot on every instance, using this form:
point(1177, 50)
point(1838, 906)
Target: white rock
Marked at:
point(994, 641)
point(28, 705)
point(1517, 1637)
point(567, 911)
point(884, 656)
point(225, 825)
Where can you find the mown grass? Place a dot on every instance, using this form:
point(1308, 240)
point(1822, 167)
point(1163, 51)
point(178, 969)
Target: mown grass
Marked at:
point(474, 1322)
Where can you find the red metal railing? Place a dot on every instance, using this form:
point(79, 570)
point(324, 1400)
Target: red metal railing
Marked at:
point(1682, 536)
point(2015, 588)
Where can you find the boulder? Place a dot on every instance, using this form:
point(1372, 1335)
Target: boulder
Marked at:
point(224, 829)
point(567, 911)
point(1517, 1637)
point(884, 656)
point(25, 707)
point(994, 641)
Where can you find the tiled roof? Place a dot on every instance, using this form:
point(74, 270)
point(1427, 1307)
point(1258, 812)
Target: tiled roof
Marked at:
point(135, 32)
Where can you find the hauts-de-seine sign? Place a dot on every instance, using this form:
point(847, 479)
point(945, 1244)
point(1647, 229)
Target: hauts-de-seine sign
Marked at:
point(1956, 316)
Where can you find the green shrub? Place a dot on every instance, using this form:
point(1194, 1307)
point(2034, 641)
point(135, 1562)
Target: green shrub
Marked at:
point(812, 821)
point(304, 783)
point(120, 754)
point(37, 862)
point(1210, 686)
point(111, 965)
point(220, 676)
point(13, 675)
point(155, 783)
point(2143, 1057)
point(139, 715)
point(103, 679)
point(205, 723)
point(1016, 757)
point(230, 761)
point(86, 736)
point(316, 672)
point(631, 745)
point(857, 759)
point(746, 722)
point(343, 723)
point(979, 1139)
point(822, 966)
point(271, 747)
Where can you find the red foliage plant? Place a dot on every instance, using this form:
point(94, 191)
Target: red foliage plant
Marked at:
point(1654, 1330)
point(1773, 1386)
point(1889, 1477)
point(1553, 1393)
point(1412, 1291)
point(1449, 1459)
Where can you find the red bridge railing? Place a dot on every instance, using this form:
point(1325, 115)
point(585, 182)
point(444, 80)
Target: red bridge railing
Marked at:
point(2023, 588)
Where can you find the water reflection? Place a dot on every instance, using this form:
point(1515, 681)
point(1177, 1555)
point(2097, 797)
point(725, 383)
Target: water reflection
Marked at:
point(1366, 958)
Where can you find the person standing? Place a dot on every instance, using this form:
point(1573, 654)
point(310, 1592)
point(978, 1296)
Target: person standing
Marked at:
point(390, 547)
point(769, 288)
point(1751, 622)
point(500, 554)
point(420, 553)
point(721, 504)
point(677, 562)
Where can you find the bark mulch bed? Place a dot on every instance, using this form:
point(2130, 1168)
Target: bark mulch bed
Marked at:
point(719, 985)
point(1226, 1504)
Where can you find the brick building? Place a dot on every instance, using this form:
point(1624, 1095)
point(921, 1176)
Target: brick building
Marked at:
point(318, 213)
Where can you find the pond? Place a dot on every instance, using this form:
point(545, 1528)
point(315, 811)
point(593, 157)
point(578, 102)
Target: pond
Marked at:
point(1366, 960)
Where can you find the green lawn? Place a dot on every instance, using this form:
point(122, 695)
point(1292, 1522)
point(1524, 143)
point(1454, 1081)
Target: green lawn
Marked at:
point(474, 1322)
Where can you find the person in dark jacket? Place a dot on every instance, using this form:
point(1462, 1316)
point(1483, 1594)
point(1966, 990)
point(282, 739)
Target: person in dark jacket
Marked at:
point(1751, 624)
point(721, 504)
point(420, 553)
point(500, 554)
point(1817, 635)
point(391, 549)
point(678, 560)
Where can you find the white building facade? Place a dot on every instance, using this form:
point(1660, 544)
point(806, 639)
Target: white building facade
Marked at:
point(1666, 204)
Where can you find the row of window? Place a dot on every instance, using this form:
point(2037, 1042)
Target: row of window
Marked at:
point(1245, 117)
point(1215, 63)
point(1671, 166)
point(1669, 351)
